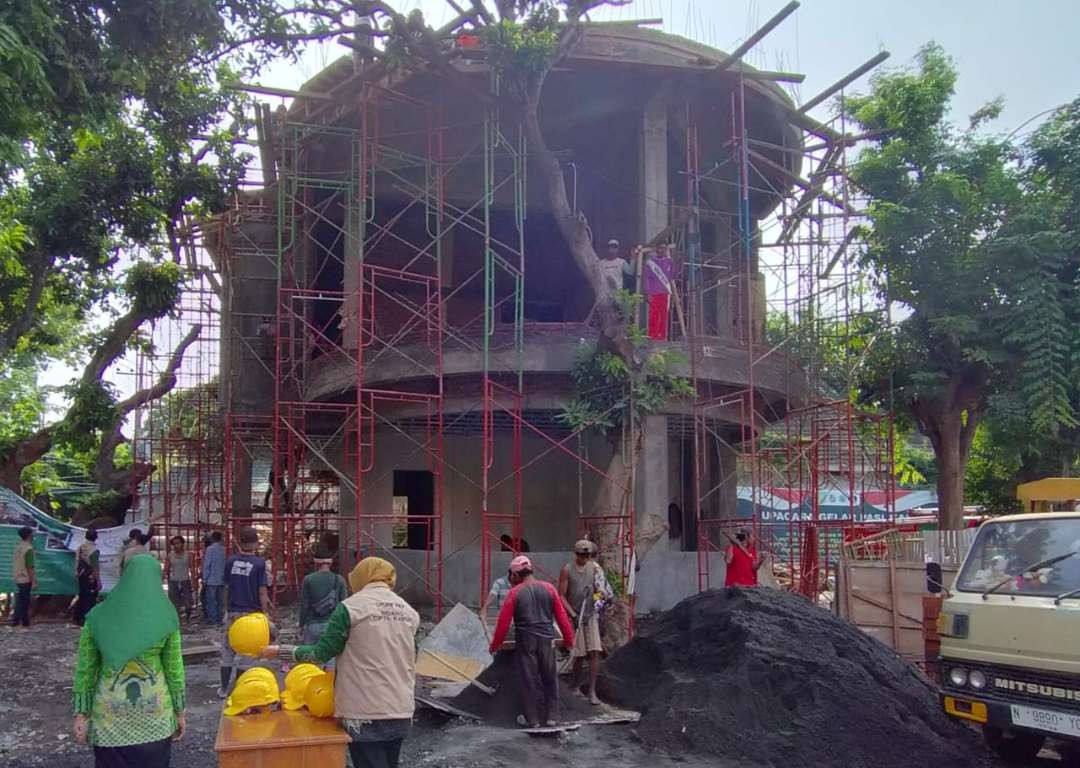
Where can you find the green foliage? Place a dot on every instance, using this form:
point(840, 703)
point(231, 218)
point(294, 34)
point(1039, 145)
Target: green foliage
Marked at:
point(93, 408)
point(976, 241)
point(524, 48)
point(103, 504)
point(992, 470)
point(22, 401)
point(606, 387)
point(154, 288)
point(913, 462)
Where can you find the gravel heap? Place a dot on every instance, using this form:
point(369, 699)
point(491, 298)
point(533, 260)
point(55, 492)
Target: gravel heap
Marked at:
point(766, 678)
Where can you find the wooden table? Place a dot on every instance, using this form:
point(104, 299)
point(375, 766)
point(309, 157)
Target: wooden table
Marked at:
point(280, 740)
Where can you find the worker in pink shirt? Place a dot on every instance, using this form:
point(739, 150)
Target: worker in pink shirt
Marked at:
point(657, 284)
point(534, 607)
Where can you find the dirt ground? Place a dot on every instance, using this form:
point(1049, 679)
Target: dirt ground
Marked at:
point(35, 720)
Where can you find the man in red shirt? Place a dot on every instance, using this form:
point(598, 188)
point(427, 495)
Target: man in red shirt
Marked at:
point(742, 561)
point(534, 606)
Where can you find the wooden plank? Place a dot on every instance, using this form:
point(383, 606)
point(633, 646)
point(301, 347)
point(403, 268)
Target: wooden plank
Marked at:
point(883, 606)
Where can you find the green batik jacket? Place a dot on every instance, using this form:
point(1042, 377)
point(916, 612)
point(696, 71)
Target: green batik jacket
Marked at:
point(133, 705)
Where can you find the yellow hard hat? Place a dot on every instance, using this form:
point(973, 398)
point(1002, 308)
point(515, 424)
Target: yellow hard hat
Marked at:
point(296, 683)
point(255, 688)
point(319, 695)
point(249, 634)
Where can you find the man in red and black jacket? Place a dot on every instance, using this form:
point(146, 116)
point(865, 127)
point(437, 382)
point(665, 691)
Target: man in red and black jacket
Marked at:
point(535, 607)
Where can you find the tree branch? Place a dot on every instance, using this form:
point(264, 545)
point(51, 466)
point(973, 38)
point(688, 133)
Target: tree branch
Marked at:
point(105, 463)
point(25, 321)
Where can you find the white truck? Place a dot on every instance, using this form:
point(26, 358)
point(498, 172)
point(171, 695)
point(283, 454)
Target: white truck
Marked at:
point(1010, 626)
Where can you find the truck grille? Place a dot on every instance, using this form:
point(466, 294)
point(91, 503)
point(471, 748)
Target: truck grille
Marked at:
point(1023, 686)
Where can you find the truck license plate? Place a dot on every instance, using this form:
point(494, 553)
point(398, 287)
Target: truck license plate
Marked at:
point(1046, 720)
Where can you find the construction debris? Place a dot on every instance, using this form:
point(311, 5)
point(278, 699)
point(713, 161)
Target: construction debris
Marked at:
point(768, 678)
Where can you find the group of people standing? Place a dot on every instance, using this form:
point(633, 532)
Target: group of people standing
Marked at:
point(129, 689)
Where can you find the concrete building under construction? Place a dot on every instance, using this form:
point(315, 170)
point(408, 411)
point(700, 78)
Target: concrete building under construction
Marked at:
point(400, 315)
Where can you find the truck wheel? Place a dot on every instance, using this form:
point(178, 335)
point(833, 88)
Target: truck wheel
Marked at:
point(1013, 746)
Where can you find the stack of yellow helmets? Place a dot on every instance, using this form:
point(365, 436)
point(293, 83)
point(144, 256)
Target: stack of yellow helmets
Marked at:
point(257, 687)
point(296, 683)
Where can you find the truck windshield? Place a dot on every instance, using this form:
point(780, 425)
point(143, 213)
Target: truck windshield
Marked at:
point(1005, 549)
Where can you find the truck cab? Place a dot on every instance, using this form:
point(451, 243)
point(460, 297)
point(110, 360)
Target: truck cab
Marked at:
point(1010, 626)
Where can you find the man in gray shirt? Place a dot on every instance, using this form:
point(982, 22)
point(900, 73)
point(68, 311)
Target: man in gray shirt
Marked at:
point(213, 578)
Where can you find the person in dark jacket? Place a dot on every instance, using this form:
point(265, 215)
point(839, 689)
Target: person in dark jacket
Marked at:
point(535, 607)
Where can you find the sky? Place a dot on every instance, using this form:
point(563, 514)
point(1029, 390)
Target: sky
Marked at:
point(1022, 50)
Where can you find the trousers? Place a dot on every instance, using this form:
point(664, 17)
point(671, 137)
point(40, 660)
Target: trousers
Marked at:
point(214, 595)
point(156, 754)
point(659, 305)
point(88, 595)
point(535, 660)
point(375, 754)
point(22, 606)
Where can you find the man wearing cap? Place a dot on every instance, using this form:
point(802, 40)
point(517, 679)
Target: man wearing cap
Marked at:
point(534, 607)
point(320, 594)
point(612, 268)
point(577, 587)
point(247, 583)
point(742, 560)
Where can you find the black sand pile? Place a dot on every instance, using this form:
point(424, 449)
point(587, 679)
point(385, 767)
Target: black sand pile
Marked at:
point(503, 708)
point(768, 678)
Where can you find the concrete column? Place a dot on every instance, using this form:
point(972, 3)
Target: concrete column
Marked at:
point(653, 490)
point(654, 167)
point(240, 491)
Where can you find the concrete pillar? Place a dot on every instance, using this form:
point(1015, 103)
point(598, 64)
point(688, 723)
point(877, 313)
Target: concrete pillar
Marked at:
point(240, 492)
point(654, 167)
point(653, 490)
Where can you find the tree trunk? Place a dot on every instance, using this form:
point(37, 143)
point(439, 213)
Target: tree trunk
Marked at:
point(22, 455)
point(950, 423)
point(950, 481)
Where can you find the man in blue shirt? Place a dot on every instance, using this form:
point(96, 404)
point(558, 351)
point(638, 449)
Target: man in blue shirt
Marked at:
point(247, 582)
point(213, 579)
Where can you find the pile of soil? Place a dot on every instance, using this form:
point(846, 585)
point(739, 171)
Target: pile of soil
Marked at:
point(503, 708)
point(767, 678)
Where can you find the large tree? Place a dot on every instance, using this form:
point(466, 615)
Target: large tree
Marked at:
point(114, 133)
point(969, 267)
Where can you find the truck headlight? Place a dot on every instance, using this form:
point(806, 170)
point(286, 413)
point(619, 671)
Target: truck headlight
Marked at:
point(958, 676)
point(977, 680)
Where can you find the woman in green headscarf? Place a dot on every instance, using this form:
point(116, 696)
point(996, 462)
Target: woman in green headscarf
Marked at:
point(129, 675)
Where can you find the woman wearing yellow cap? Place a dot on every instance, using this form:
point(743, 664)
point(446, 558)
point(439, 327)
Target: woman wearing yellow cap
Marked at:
point(371, 634)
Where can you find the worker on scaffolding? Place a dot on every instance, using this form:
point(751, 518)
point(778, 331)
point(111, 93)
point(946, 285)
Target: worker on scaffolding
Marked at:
point(657, 285)
point(612, 267)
